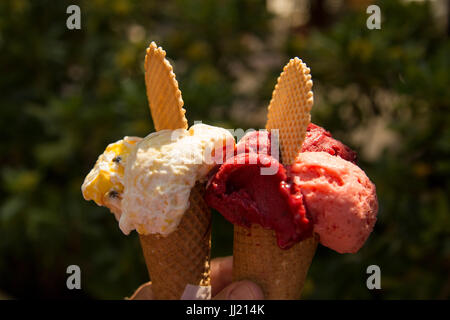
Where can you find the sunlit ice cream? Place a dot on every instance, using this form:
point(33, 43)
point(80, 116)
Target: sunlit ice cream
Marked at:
point(251, 188)
point(105, 182)
point(244, 196)
point(318, 139)
point(160, 171)
point(300, 199)
point(340, 198)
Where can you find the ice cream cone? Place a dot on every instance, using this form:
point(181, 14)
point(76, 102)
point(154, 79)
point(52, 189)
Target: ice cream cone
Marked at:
point(280, 273)
point(178, 264)
point(257, 257)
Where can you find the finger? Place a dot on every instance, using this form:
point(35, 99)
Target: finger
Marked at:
point(144, 292)
point(242, 290)
point(221, 273)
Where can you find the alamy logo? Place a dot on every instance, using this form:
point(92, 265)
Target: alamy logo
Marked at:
point(74, 280)
point(374, 280)
point(374, 20)
point(74, 20)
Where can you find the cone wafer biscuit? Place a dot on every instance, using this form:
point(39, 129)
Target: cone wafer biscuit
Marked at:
point(289, 109)
point(164, 96)
point(280, 273)
point(178, 263)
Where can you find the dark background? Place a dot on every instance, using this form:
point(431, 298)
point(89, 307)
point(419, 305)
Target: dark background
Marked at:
point(65, 94)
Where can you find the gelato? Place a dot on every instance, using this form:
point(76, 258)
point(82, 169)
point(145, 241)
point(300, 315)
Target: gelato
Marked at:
point(162, 170)
point(244, 196)
point(323, 191)
point(339, 197)
point(104, 184)
point(318, 139)
point(147, 182)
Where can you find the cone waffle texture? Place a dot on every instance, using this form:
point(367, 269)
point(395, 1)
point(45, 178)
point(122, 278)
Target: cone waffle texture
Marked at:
point(164, 97)
point(257, 257)
point(280, 273)
point(289, 109)
point(183, 257)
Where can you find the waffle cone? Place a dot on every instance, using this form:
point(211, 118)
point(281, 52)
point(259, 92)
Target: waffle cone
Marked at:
point(257, 257)
point(280, 273)
point(183, 257)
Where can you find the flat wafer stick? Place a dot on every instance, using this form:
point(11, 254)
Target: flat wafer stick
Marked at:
point(289, 109)
point(164, 96)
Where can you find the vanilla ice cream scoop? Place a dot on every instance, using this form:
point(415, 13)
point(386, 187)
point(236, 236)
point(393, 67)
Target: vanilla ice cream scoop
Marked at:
point(160, 173)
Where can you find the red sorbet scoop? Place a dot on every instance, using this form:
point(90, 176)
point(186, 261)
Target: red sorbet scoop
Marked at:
point(318, 139)
point(244, 196)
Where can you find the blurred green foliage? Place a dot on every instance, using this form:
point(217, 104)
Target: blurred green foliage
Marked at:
point(66, 94)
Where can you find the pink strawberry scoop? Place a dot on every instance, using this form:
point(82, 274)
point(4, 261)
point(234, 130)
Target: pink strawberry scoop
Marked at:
point(323, 192)
point(340, 198)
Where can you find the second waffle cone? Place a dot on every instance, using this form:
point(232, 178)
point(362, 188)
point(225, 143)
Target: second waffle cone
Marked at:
point(281, 274)
point(257, 257)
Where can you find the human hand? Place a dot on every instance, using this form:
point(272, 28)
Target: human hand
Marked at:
point(221, 284)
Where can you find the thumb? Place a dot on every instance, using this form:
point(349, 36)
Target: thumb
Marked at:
point(242, 290)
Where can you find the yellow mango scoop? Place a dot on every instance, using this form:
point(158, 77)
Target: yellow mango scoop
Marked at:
point(104, 183)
